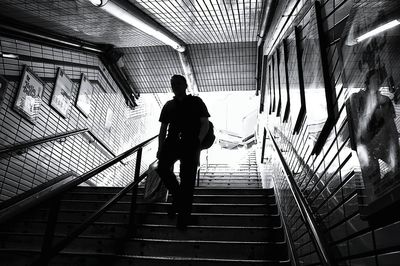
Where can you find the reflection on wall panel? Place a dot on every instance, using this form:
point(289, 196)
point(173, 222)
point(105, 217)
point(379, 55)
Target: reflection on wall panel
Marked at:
point(332, 182)
point(80, 153)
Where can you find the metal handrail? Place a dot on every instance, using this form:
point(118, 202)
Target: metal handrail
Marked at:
point(51, 251)
point(29, 144)
point(305, 210)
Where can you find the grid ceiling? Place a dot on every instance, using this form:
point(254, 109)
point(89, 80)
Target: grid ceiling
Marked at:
point(76, 18)
point(206, 21)
point(221, 37)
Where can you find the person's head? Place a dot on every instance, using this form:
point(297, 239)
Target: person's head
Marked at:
point(373, 79)
point(179, 85)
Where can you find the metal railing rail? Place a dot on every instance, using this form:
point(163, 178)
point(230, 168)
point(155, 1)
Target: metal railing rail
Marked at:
point(32, 143)
point(304, 209)
point(48, 250)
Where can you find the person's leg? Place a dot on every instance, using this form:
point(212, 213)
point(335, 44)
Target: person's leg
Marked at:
point(188, 171)
point(167, 159)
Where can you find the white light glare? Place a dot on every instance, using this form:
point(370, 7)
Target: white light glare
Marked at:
point(12, 56)
point(378, 30)
point(127, 17)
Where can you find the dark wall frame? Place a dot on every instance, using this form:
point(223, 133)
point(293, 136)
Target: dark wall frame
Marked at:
point(284, 58)
point(270, 86)
point(302, 111)
point(277, 82)
point(330, 93)
point(263, 82)
point(272, 82)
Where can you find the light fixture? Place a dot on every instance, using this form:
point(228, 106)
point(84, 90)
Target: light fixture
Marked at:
point(12, 56)
point(138, 22)
point(378, 30)
point(99, 3)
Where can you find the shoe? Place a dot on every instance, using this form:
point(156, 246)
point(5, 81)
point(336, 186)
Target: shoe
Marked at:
point(184, 220)
point(172, 211)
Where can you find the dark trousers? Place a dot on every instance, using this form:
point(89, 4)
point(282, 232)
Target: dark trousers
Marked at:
point(188, 152)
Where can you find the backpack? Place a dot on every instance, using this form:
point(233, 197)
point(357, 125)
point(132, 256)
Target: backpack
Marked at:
point(209, 138)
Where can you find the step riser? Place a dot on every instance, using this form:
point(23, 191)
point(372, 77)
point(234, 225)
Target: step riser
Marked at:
point(234, 199)
point(153, 232)
point(163, 207)
point(197, 191)
point(82, 260)
point(219, 250)
point(162, 218)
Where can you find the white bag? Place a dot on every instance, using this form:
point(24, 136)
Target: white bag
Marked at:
point(154, 188)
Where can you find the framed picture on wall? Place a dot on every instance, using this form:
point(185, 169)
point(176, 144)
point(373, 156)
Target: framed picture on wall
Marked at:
point(319, 95)
point(29, 96)
point(296, 88)
point(3, 88)
point(277, 84)
point(283, 81)
point(371, 75)
point(85, 94)
point(61, 99)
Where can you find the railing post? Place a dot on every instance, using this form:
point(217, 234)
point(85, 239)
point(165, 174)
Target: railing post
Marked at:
point(131, 225)
point(263, 145)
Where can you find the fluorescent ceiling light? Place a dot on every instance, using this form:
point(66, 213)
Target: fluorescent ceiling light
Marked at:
point(12, 56)
point(136, 22)
point(378, 30)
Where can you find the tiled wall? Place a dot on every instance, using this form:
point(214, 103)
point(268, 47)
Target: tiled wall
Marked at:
point(21, 172)
point(330, 182)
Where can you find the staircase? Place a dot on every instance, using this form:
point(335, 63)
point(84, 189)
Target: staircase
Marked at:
point(238, 224)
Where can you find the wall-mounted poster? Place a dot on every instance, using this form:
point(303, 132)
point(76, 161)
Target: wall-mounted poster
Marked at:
point(317, 88)
point(29, 96)
point(84, 99)
point(371, 74)
point(283, 81)
point(109, 119)
point(297, 99)
point(62, 93)
point(3, 88)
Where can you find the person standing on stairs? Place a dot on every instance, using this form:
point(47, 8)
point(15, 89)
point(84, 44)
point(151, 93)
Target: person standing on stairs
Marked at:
point(185, 117)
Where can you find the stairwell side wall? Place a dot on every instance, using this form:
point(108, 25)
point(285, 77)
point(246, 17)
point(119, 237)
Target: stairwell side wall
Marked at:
point(329, 181)
point(21, 172)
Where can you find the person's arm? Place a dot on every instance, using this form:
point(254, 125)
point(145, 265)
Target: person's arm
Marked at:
point(161, 136)
point(204, 125)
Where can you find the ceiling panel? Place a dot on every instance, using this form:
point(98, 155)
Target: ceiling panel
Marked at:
point(76, 18)
point(151, 68)
point(206, 21)
point(224, 66)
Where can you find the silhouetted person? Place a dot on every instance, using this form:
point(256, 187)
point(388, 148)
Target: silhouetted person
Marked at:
point(186, 119)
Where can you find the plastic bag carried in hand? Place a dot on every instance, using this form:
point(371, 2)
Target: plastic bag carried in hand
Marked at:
point(154, 188)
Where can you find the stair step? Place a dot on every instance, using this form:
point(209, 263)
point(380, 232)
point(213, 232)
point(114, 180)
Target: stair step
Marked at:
point(112, 230)
point(163, 207)
point(200, 198)
point(18, 258)
point(159, 247)
point(162, 218)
